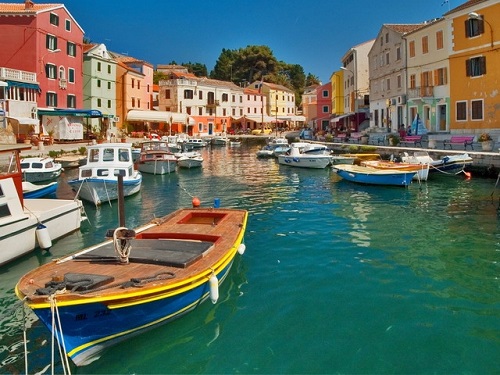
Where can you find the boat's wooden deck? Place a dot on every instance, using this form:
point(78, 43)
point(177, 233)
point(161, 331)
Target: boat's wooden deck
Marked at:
point(197, 240)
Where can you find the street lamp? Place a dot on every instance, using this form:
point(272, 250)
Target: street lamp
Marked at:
point(475, 16)
point(48, 52)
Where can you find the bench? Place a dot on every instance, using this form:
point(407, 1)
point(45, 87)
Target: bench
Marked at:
point(465, 140)
point(415, 139)
point(355, 137)
point(339, 137)
point(378, 138)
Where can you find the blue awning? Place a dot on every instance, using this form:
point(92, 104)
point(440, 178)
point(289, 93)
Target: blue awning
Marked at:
point(26, 85)
point(70, 112)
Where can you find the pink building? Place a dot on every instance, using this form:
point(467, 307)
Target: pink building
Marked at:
point(323, 106)
point(44, 39)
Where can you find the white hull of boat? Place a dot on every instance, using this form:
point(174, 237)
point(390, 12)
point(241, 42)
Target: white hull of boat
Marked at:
point(157, 166)
point(97, 190)
point(18, 233)
point(305, 161)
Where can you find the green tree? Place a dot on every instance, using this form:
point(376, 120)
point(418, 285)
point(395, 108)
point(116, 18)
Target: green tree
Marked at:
point(311, 79)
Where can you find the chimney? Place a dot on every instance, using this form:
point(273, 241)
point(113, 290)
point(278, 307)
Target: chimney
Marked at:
point(28, 5)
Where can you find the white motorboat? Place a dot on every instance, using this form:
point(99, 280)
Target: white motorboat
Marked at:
point(30, 223)
point(266, 152)
point(97, 180)
point(447, 165)
point(235, 143)
point(280, 141)
point(342, 159)
point(189, 159)
point(172, 142)
point(156, 158)
point(220, 140)
point(306, 155)
point(195, 142)
point(38, 169)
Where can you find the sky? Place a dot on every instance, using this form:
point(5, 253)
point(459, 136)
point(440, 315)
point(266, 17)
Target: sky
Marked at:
point(314, 34)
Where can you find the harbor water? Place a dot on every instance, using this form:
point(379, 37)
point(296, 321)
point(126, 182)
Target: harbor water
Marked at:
point(337, 278)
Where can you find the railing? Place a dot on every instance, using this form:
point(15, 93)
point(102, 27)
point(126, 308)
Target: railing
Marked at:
point(17, 75)
point(212, 103)
point(421, 92)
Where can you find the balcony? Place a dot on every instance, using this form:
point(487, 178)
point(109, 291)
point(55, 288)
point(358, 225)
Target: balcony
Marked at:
point(212, 103)
point(17, 75)
point(421, 92)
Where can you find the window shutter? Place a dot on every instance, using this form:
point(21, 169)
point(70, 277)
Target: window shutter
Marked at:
point(468, 68)
point(480, 26)
point(467, 28)
point(482, 61)
point(436, 77)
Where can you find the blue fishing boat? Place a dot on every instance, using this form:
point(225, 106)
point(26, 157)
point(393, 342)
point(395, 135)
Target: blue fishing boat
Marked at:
point(136, 280)
point(39, 191)
point(373, 176)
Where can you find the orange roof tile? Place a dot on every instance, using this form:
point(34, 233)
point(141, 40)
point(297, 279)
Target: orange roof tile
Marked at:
point(20, 8)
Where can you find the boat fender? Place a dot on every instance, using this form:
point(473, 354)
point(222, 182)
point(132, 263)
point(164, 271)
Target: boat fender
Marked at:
point(43, 237)
point(241, 249)
point(196, 202)
point(214, 288)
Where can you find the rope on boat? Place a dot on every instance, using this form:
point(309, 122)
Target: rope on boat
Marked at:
point(57, 327)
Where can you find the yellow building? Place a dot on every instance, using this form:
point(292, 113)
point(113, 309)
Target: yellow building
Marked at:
point(475, 68)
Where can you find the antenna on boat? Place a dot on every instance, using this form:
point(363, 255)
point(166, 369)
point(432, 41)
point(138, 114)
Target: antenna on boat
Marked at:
point(121, 202)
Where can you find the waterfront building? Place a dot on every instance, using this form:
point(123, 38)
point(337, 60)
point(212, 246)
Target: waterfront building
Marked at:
point(309, 106)
point(356, 86)
point(44, 39)
point(18, 107)
point(428, 92)
point(254, 105)
point(323, 106)
point(474, 68)
point(337, 81)
point(99, 82)
point(134, 88)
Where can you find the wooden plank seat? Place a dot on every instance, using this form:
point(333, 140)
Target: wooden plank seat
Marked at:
point(415, 139)
point(465, 140)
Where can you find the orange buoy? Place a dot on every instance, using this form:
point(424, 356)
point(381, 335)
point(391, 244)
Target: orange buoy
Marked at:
point(196, 202)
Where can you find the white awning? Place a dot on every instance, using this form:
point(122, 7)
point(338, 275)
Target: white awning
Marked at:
point(25, 120)
point(292, 118)
point(157, 116)
point(258, 118)
point(338, 118)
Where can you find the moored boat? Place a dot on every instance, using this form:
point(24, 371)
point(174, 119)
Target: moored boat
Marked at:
point(373, 176)
point(447, 165)
point(97, 180)
point(306, 155)
point(189, 159)
point(30, 223)
point(136, 280)
point(39, 191)
point(422, 170)
point(156, 158)
point(37, 169)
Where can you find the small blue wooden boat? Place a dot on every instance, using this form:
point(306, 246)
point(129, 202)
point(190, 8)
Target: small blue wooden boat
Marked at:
point(136, 280)
point(39, 191)
point(373, 176)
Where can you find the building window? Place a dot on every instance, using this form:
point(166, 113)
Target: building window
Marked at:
point(109, 103)
point(188, 94)
point(51, 99)
point(225, 97)
point(200, 111)
point(98, 66)
point(400, 81)
point(71, 101)
point(441, 76)
point(109, 69)
point(138, 84)
point(51, 42)
point(426, 79)
point(99, 102)
point(167, 94)
point(398, 53)
point(109, 85)
point(326, 109)
point(425, 44)
point(71, 75)
point(71, 49)
point(54, 19)
point(476, 66)
point(412, 48)
point(138, 103)
point(474, 27)
point(50, 71)
point(98, 83)
point(200, 95)
point(188, 110)
point(386, 38)
point(133, 102)
point(461, 111)
point(477, 109)
point(439, 40)
point(375, 117)
point(388, 84)
point(133, 82)
point(68, 25)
